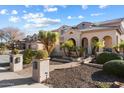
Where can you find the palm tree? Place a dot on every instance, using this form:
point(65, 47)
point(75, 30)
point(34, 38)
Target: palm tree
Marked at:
point(97, 45)
point(115, 47)
point(63, 47)
point(49, 39)
point(69, 44)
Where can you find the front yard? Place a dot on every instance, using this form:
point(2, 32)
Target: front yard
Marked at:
point(82, 76)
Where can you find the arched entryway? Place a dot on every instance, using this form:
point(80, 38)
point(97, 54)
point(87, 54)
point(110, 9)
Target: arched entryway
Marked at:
point(74, 41)
point(107, 41)
point(85, 45)
point(93, 41)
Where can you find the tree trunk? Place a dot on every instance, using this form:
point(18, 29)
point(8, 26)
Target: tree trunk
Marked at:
point(76, 53)
point(64, 51)
point(116, 50)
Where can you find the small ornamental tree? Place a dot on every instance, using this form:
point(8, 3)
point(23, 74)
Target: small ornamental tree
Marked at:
point(49, 39)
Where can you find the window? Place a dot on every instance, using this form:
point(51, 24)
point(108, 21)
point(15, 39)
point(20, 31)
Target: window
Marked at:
point(71, 33)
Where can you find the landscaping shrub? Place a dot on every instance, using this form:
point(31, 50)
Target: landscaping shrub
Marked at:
point(114, 67)
point(27, 56)
point(15, 51)
point(107, 56)
point(41, 54)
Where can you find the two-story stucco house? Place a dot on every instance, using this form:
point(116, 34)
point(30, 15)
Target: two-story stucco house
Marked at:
point(111, 32)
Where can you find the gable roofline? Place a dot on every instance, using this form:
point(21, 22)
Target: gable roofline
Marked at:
point(109, 21)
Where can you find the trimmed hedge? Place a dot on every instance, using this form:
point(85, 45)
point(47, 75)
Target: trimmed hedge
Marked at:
point(114, 67)
point(107, 56)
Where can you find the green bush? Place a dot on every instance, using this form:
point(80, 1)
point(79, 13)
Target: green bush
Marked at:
point(41, 54)
point(15, 51)
point(107, 56)
point(27, 56)
point(114, 67)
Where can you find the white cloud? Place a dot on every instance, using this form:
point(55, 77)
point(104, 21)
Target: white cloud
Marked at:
point(36, 20)
point(4, 11)
point(80, 17)
point(103, 6)
point(29, 26)
point(84, 7)
point(24, 11)
point(69, 17)
point(14, 19)
point(64, 6)
point(27, 6)
point(32, 15)
point(74, 17)
point(97, 14)
point(50, 8)
point(14, 12)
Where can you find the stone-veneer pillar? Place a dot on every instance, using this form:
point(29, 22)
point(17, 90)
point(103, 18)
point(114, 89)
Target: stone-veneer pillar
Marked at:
point(16, 62)
point(40, 70)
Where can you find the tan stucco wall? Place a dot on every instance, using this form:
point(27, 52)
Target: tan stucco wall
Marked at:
point(78, 36)
point(100, 34)
point(75, 36)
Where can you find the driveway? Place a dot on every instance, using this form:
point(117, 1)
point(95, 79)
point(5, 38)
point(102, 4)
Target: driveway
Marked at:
point(13, 80)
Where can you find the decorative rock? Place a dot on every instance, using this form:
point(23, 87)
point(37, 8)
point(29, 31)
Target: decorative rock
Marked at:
point(118, 85)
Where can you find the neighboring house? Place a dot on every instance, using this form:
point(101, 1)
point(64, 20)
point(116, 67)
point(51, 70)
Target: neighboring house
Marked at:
point(111, 32)
point(30, 42)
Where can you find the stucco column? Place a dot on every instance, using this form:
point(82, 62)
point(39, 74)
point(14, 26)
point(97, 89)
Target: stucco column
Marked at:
point(89, 46)
point(101, 40)
point(78, 42)
point(114, 41)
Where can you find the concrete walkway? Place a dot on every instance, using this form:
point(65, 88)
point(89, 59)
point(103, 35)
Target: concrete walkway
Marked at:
point(13, 80)
point(64, 66)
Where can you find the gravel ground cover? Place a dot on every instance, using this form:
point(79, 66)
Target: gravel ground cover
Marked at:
point(81, 77)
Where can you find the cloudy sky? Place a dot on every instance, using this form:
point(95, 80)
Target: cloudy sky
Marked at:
point(30, 19)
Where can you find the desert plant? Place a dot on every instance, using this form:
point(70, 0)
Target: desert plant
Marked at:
point(49, 39)
point(41, 54)
point(107, 56)
point(15, 51)
point(114, 67)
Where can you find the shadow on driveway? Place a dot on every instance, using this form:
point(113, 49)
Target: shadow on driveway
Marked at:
point(16, 82)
